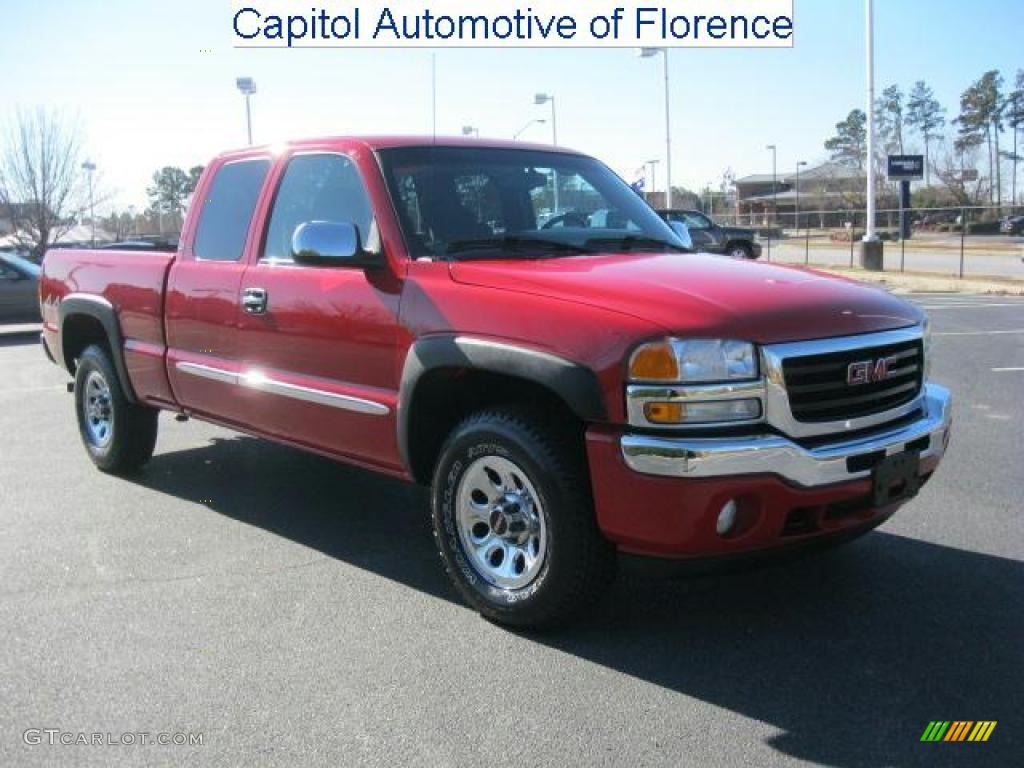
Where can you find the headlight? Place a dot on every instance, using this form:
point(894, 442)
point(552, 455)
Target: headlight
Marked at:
point(693, 361)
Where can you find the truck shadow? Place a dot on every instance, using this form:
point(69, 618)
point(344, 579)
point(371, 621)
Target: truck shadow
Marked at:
point(847, 654)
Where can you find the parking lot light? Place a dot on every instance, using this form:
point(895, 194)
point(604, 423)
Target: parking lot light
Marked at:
point(247, 87)
point(646, 53)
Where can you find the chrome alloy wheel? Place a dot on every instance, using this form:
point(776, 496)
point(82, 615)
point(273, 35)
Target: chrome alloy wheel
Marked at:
point(501, 523)
point(738, 252)
point(98, 410)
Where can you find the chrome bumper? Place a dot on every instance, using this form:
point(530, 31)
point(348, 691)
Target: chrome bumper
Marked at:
point(772, 454)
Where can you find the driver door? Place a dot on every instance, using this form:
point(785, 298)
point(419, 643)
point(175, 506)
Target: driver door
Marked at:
point(318, 351)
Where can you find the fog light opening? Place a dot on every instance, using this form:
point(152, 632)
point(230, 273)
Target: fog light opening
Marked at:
point(726, 518)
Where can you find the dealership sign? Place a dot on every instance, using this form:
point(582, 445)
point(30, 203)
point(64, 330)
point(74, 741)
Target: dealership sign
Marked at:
point(906, 167)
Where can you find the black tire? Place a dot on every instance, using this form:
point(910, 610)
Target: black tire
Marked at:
point(577, 564)
point(736, 249)
point(130, 435)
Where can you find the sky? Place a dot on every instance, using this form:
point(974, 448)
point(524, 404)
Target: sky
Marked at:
point(153, 84)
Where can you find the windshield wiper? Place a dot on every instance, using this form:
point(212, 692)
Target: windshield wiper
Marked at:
point(517, 245)
point(628, 243)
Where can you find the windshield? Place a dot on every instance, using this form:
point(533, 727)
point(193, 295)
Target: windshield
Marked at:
point(462, 203)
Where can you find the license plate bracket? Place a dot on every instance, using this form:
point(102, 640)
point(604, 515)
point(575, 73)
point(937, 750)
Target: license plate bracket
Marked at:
point(895, 478)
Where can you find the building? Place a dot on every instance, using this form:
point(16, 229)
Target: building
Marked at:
point(823, 198)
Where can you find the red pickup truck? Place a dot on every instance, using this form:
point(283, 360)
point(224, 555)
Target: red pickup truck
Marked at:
point(513, 326)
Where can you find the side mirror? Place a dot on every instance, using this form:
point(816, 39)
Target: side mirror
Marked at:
point(331, 244)
point(683, 233)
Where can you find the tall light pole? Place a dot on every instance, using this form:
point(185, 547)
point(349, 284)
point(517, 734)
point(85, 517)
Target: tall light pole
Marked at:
point(653, 163)
point(535, 121)
point(469, 130)
point(796, 221)
point(775, 195)
point(549, 98)
point(869, 20)
point(646, 53)
point(90, 167)
point(247, 87)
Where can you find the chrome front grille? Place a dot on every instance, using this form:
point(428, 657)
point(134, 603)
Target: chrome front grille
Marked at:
point(808, 395)
point(819, 389)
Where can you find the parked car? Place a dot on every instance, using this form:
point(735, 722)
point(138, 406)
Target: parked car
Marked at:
point(19, 288)
point(572, 394)
point(710, 237)
point(1012, 225)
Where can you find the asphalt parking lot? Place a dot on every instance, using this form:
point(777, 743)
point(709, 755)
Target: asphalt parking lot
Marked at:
point(293, 611)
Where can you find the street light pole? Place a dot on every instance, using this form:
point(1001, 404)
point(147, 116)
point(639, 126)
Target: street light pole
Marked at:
point(796, 218)
point(549, 98)
point(247, 87)
point(89, 167)
point(646, 53)
point(869, 229)
point(775, 194)
point(653, 163)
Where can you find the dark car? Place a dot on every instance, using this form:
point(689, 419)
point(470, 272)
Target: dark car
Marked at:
point(1012, 225)
point(710, 237)
point(19, 288)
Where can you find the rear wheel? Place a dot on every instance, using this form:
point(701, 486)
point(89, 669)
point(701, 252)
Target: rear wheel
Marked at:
point(514, 523)
point(119, 436)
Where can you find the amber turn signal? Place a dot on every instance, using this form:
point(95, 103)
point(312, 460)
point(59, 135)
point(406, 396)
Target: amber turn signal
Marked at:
point(654, 362)
point(665, 413)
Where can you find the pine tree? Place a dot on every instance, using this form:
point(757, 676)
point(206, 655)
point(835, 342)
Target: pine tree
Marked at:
point(925, 115)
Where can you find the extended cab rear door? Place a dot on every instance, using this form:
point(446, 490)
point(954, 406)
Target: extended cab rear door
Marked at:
point(318, 348)
point(202, 301)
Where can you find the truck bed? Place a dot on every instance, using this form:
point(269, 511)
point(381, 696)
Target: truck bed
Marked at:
point(133, 282)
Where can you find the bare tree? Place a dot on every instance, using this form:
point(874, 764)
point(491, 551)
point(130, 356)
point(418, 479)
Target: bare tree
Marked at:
point(951, 166)
point(42, 184)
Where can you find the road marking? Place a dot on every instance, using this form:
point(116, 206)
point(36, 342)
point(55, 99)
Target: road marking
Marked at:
point(1004, 370)
point(976, 333)
point(931, 307)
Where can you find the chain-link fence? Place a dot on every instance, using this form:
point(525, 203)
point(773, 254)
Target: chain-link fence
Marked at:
point(979, 241)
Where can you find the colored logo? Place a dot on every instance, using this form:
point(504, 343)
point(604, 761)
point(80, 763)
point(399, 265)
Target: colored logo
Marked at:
point(958, 730)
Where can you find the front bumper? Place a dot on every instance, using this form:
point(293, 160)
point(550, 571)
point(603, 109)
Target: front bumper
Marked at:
point(823, 465)
point(660, 496)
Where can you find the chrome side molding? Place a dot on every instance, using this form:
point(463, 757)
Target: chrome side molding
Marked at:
point(255, 379)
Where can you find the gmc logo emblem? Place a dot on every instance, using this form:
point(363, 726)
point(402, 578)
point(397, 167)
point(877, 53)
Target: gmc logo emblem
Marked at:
point(867, 371)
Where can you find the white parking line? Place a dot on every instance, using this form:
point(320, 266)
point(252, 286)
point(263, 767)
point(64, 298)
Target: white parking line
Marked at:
point(976, 333)
point(1004, 370)
point(977, 305)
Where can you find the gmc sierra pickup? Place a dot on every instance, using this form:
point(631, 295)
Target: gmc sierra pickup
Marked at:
point(571, 393)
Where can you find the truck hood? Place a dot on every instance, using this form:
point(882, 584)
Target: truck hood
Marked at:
point(702, 294)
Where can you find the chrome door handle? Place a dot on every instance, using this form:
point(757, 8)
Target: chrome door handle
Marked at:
point(254, 301)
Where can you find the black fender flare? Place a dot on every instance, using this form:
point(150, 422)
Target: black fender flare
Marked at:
point(103, 312)
point(575, 384)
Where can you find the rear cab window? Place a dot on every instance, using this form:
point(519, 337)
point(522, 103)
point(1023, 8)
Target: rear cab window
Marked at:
point(228, 207)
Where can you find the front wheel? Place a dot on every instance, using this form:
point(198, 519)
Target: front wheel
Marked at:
point(740, 251)
point(514, 523)
point(118, 436)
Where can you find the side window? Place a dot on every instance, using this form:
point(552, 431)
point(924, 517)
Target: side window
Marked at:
point(695, 221)
point(227, 210)
point(316, 188)
point(7, 273)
